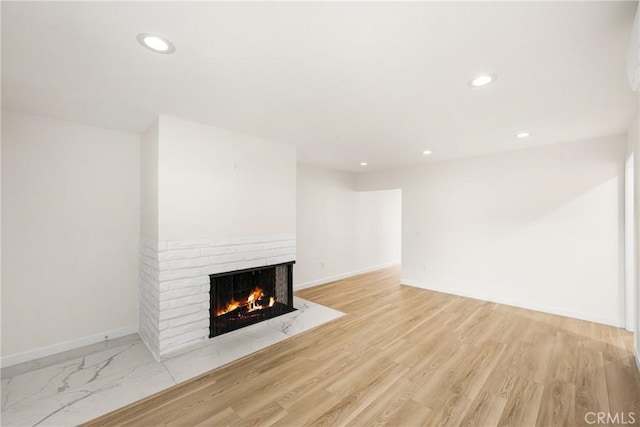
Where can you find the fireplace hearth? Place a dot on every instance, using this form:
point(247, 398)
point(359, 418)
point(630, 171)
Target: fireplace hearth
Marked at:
point(244, 297)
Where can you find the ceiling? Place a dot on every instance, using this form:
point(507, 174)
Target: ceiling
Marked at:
point(344, 82)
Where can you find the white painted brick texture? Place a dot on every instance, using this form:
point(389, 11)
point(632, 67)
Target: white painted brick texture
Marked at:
point(174, 282)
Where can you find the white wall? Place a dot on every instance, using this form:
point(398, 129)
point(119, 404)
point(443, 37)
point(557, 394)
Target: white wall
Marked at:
point(149, 146)
point(540, 228)
point(70, 220)
point(341, 231)
point(217, 183)
point(378, 228)
point(633, 146)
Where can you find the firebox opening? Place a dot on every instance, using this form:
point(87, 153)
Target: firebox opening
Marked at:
point(245, 297)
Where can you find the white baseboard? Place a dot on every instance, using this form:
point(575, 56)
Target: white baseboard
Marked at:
point(619, 323)
point(38, 353)
point(343, 276)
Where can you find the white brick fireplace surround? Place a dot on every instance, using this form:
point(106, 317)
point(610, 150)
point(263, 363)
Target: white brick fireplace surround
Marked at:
point(174, 283)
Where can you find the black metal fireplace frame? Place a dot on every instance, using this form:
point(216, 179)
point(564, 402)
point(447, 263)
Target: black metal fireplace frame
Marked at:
point(212, 277)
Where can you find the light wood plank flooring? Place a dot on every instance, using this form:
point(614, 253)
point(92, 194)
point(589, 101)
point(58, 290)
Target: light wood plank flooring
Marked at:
point(406, 357)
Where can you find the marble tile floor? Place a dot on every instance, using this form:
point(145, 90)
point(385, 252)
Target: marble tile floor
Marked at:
point(85, 386)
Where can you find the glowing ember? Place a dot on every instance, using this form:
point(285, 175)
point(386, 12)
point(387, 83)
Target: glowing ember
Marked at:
point(253, 302)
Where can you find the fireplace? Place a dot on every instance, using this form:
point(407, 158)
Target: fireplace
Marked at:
point(175, 294)
point(244, 297)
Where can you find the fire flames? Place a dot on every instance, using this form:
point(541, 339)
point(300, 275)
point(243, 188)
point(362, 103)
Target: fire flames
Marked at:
point(253, 302)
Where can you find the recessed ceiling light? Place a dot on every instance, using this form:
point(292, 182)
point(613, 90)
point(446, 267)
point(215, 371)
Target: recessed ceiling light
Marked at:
point(427, 152)
point(156, 43)
point(363, 163)
point(522, 134)
point(482, 80)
